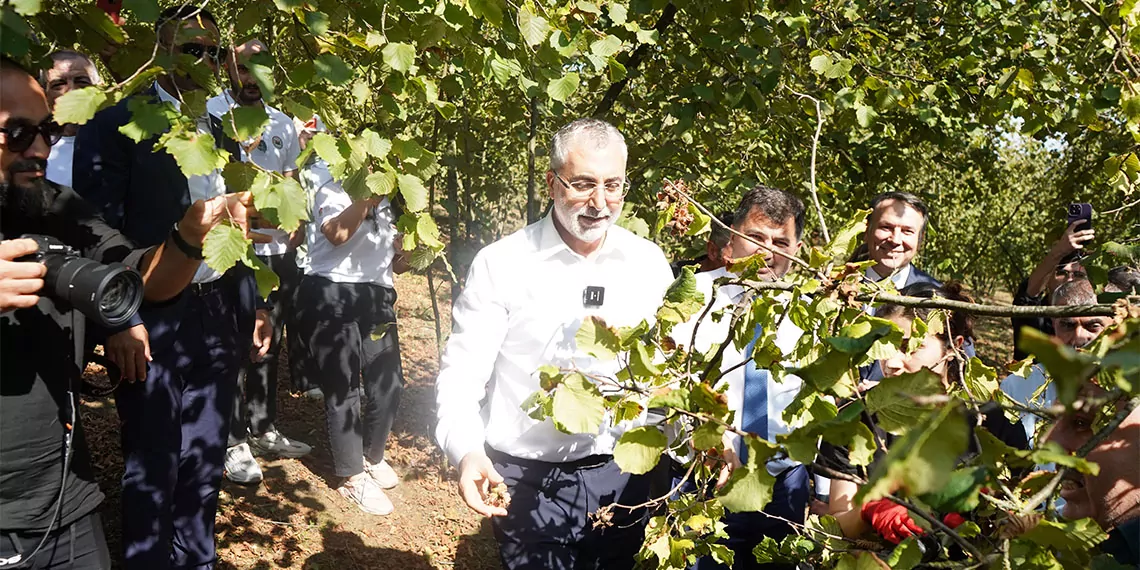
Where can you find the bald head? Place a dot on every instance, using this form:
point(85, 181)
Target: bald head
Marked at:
point(243, 86)
point(23, 111)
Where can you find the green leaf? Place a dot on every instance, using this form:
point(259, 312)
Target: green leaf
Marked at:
point(844, 242)
point(561, 89)
point(244, 123)
point(223, 247)
point(267, 280)
point(892, 400)
point(239, 176)
point(597, 339)
point(534, 28)
point(618, 14)
point(682, 299)
point(427, 231)
point(399, 56)
point(1078, 535)
point(144, 10)
point(923, 459)
point(381, 183)
point(195, 152)
point(26, 7)
point(639, 449)
point(767, 551)
point(1067, 368)
point(708, 435)
point(413, 191)
point(79, 105)
point(960, 494)
point(327, 148)
point(491, 10)
point(317, 21)
point(578, 406)
point(332, 68)
point(288, 5)
point(906, 555)
point(749, 489)
point(1052, 452)
point(606, 46)
point(260, 66)
point(283, 203)
point(147, 119)
point(641, 362)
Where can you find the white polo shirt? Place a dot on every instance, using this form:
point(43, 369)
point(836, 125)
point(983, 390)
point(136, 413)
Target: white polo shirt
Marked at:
point(520, 309)
point(367, 256)
point(59, 161)
point(277, 150)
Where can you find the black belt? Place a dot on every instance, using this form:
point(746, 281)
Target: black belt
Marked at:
point(587, 462)
point(201, 289)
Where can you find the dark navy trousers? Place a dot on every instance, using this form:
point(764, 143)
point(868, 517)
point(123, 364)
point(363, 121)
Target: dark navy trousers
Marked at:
point(174, 429)
point(746, 530)
point(547, 524)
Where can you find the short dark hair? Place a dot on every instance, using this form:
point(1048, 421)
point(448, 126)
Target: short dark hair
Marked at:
point(961, 322)
point(180, 13)
point(1075, 292)
point(1124, 279)
point(904, 197)
point(776, 205)
point(719, 234)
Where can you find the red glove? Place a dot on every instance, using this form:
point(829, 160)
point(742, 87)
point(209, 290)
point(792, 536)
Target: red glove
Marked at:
point(890, 519)
point(953, 520)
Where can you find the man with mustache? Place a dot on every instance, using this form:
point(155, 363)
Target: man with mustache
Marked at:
point(255, 401)
point(524, 300)
point(174, 425)
point(48, 493)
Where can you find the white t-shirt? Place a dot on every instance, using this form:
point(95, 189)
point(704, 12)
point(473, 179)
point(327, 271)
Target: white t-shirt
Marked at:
point(59, 161)
point(277, 150)
point(367, 256)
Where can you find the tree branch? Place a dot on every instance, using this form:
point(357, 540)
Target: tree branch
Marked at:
point(631, 64)
point(814, 150)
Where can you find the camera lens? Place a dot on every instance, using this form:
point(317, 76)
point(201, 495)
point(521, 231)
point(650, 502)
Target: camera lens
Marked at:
point(117, 301)
point(108, 294)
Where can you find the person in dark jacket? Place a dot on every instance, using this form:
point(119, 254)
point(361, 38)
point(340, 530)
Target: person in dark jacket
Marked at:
point(1060, 265)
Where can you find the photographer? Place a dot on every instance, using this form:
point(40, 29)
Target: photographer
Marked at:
point(1061, 265)
point(48, 493)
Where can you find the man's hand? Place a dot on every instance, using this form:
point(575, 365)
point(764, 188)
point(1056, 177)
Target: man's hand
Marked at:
point(130, 351)
point(262, 336)
point(731, 460)
point(19, 280)
point(477, 476)
point(891, 520)
point(1073, 240)
point(203, 215)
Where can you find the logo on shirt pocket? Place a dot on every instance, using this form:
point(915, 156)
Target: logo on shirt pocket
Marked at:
point(277, 142)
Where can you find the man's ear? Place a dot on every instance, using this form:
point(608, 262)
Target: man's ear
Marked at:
point(550, 181)
point(959, 341)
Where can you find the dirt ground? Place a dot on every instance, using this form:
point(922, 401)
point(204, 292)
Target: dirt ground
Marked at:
point(294, 519)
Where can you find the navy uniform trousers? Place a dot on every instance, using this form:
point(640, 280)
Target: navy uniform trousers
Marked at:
point(174, 428)
point(548, 525)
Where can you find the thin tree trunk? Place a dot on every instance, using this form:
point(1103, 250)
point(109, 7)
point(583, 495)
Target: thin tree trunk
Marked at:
point(533, 198)
point(631, 64)
point(431, 268)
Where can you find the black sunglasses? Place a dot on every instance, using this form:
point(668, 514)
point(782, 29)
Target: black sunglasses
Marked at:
point(196, 51)
point(20, 137)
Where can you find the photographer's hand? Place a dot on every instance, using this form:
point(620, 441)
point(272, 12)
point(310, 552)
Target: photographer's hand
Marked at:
point(19, 280)
point(203, 215)
point(1073, 239)
point(130, 351)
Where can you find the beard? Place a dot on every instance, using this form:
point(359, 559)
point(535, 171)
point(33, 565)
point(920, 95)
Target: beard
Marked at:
point(569, 216)
point(21, 205)
point(248, 94)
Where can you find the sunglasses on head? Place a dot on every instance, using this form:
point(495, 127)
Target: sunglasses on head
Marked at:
point(21, 136)
point(197, 51)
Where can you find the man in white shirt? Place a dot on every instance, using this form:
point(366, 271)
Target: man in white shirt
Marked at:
point(524, 300)
point(774, 218)
point(255, 402)
point(69, 70)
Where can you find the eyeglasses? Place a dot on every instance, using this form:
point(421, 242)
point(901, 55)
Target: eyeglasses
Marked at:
point(614, 189)
point(21, 136)
point(1076, 275)
point(197, 50)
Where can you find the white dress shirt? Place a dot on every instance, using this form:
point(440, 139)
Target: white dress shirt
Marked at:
point(520, 309)
point(1022, 391)
point(711, 333)
point(367, 256)
point(59, 161)
point(277, 151)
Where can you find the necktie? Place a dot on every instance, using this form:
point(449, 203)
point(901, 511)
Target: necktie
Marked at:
point(754, 415)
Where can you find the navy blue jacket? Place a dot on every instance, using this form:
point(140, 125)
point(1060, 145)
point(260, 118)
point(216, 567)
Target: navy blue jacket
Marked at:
point(142, 193)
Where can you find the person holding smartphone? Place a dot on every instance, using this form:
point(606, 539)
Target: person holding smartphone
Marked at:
point(1060, 265)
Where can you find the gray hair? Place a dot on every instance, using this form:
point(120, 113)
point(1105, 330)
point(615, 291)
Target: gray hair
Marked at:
point(1075, 292)
point(66, 54)
point(587, 130)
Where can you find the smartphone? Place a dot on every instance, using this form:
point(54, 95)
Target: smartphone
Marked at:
point(1080, 211)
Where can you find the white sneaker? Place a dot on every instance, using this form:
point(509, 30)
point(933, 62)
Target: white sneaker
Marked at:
point(241, 467)
point(275, 443)
point(315, 394)
point(367, 494)
point(382, 473)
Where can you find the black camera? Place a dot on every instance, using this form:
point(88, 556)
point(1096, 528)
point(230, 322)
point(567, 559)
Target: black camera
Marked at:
point(108, 294)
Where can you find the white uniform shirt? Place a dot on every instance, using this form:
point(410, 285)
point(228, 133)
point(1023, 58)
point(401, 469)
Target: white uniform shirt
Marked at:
point(367, 256)
point(1021, 390)
point(200, 187)
point(277, 151)
point(59, 161)
point(521, 309)
point(711, 333)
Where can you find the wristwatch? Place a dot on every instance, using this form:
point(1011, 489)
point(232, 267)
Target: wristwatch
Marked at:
point(183, 245)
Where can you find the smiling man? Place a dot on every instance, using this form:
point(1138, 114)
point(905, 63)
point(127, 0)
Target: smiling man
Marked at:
point(894, 236)
point(524, 300)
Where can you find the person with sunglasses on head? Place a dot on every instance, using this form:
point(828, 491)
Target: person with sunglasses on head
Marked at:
point(48, 493)
point(275, 149)
point(175, 424)
point(525, 298)
point(1060, 265)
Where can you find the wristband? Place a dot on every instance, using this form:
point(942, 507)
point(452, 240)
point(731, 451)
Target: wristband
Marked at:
point(184, 246)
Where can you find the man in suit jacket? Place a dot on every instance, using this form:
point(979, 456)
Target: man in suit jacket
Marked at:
point(894, 236)
point(174, 425)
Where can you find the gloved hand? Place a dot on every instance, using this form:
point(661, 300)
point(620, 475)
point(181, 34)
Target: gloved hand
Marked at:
point(890, 519)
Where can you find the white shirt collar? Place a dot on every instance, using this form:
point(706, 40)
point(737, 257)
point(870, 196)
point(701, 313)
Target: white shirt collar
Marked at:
point(164, 96)
point(899, 277)
point(550, 242)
